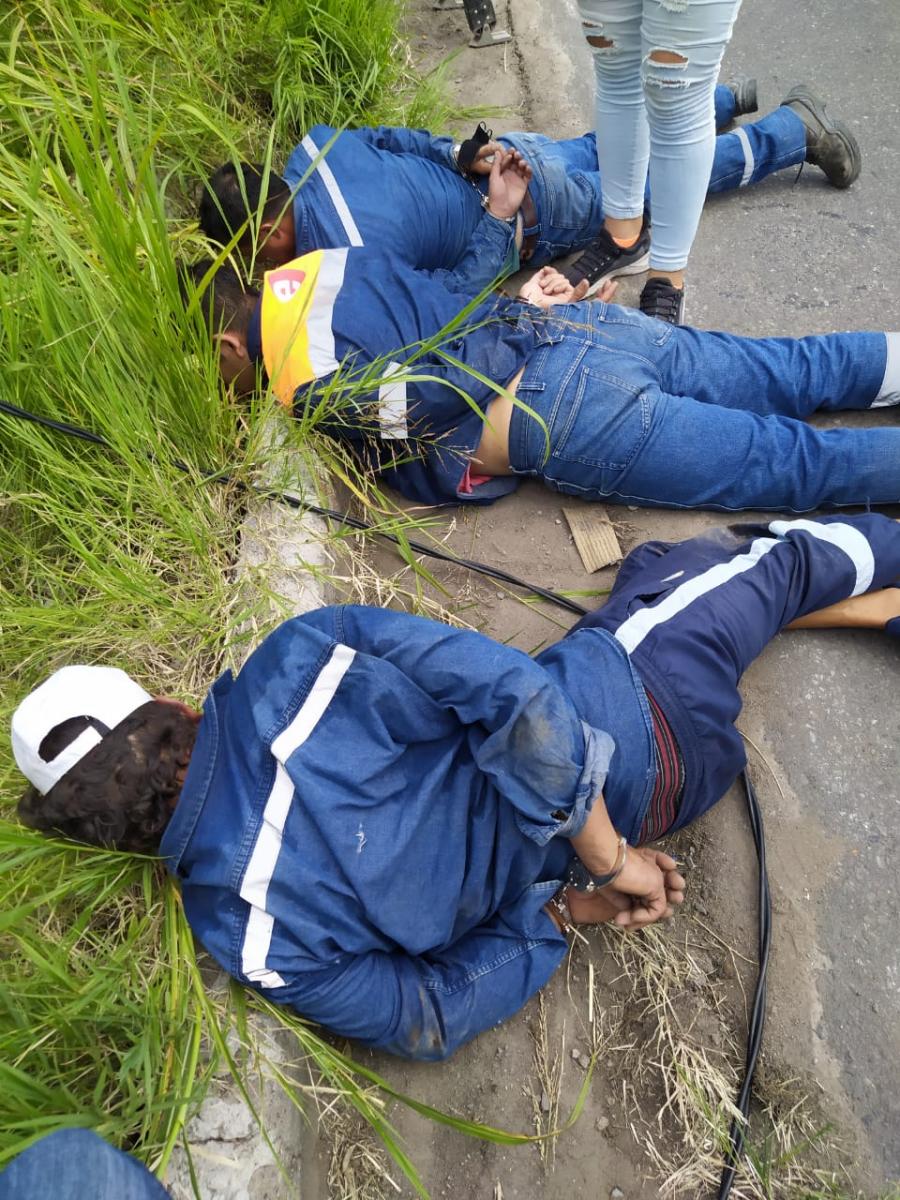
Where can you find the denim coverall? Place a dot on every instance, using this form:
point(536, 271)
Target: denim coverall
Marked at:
point(396, 190)
point(379, 806)
point(613, 405)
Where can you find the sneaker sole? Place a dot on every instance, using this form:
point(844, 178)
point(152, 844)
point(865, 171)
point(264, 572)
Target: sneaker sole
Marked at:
point(635, 268)
point(815, 106)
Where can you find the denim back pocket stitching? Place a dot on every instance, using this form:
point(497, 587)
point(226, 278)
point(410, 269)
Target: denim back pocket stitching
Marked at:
point(548, 415)
point(660, 336)
point(637, 394)
point(523, 946)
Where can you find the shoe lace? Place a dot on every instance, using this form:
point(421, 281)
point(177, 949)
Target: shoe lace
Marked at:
point(598, 255)
point(660, 299)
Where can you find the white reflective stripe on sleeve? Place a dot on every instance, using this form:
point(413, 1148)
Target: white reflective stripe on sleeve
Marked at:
point(320, 164)
point(749, 161)
point(846, 537)
point(319, 324)
point(264, 856)
point(889, 392)
point(633, 631)
point(392, 405)
point(257, 940)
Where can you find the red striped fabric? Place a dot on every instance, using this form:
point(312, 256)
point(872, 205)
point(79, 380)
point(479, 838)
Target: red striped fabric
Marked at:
point(663, 807)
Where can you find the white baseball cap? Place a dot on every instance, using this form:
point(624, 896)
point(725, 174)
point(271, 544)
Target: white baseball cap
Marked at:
point(104, 695)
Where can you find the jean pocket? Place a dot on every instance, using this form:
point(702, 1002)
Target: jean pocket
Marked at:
point(649, 329)
point(603, 429)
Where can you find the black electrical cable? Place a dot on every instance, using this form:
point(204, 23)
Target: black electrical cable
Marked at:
point(737, 1133)
point(86, 435)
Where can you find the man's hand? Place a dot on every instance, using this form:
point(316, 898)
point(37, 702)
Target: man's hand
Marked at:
point(484, 159)
point(648, 888)
point(510, 175)
point(593, 908)
point(550, 287)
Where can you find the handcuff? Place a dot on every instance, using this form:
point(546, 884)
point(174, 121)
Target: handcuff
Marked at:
point(581, 879)
point(464, 152)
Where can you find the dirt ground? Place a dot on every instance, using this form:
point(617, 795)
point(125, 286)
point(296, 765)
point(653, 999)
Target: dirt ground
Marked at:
point(503, 1077)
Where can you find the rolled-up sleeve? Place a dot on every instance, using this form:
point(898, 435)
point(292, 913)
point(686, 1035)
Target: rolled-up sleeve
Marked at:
point(426, 1007)
point(524, 730)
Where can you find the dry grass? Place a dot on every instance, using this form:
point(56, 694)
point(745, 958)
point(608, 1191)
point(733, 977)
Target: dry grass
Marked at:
point(546, 1089)
point(663, 1024)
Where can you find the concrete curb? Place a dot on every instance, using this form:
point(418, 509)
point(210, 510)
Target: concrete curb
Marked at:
point(284, 560)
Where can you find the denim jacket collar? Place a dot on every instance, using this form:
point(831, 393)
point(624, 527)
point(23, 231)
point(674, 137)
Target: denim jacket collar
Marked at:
point(190, 804)
point(254, 334)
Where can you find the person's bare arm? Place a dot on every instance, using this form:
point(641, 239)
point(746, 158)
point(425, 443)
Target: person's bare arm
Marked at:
point(647, 886)
point(872, 610)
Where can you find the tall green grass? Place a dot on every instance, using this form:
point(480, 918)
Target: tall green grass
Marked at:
point(108, 112)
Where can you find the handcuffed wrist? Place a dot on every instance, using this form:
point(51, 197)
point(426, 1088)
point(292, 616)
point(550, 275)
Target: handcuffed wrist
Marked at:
point(584, 880)
point(507, 220)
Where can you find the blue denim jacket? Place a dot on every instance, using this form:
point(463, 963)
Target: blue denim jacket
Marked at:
point(429, 366)
point(395, 191)
point(376, 811)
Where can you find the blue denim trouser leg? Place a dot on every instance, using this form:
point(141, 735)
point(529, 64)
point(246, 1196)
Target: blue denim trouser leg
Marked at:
point(76, 1164)
point(643, 412)
point(567, 190)
point(694, 615)
point(751, 152)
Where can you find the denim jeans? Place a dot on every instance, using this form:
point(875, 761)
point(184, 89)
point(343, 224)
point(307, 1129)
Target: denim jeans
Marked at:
point(657, 114)
point(76, 1164)
point(640, 411)
point(567, 187)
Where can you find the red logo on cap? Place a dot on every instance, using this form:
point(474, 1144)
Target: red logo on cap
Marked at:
point(285, 284)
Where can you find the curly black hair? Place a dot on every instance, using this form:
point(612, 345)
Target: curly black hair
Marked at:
point(122, 793)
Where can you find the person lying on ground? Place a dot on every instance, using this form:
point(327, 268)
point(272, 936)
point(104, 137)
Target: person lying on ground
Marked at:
point(388, 824)
point(398, 190)
point(598, 401)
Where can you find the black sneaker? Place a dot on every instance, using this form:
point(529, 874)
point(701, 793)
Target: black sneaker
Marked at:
point(829, 144)
point(744, 92)
point(662, 300)
point(604, 260)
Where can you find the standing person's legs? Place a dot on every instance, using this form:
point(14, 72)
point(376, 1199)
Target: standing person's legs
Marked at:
point(694, 615)
point(613, 32)
point(681, 49)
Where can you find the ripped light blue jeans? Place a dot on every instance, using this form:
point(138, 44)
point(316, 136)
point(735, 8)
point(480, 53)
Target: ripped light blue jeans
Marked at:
point(655, 117)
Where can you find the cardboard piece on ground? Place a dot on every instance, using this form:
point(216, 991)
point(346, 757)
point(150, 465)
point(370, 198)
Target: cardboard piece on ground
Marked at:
point(595, 538)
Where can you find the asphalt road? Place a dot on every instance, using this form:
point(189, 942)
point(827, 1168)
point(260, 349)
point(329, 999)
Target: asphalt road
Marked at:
point(794, 256)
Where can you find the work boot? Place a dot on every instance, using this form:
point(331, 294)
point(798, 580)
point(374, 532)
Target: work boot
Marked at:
point(604, 260)
point(661, 299)
point(830, 145)
point(744, 92)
